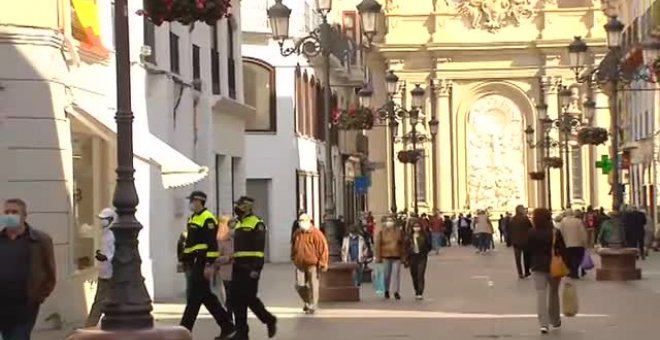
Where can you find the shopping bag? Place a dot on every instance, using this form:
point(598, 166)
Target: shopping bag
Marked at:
point(587, 261)
point(569, 303)
point(378, 279)
point(558, 268)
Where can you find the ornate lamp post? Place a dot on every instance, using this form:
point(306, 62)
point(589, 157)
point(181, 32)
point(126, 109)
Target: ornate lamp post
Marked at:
point(324, 41)
point(545, 144)
point(433, 128)
point(127, 313)
point(392, 113)
point(613, 71)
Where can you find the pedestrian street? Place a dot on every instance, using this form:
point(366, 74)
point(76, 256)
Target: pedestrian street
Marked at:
point(468, 297)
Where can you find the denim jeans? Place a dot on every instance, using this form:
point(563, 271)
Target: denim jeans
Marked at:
point(483, 241)
point(392, 275)
point(437, 240)
point(358, 275)
point(20, 329)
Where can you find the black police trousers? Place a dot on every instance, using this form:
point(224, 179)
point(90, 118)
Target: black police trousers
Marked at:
point(198, 293)
point(244, 288)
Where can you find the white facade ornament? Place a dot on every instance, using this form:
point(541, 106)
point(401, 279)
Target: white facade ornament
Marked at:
point(494, 14)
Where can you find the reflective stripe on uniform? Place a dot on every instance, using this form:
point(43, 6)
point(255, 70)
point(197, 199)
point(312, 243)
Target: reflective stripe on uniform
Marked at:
point(249, 222)
point(199, 220)
point(212, 254)
point(196, 247)
point(249, 254)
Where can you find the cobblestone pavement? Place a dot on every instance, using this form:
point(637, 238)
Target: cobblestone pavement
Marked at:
point(459, 305)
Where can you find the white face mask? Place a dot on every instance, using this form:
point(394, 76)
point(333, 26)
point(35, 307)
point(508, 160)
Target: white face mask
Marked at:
point(389, 224)
point(305, 225)
point(191, 207)
point(106, 222)
point(10, 222)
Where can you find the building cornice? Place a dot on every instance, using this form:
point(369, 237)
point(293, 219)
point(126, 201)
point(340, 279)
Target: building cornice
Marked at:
point(37, 36)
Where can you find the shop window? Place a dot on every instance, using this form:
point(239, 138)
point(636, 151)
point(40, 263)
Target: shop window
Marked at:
point(90, 195)
point(259, 89)
point(174, 53)
point(196, 69)
point(150, 39)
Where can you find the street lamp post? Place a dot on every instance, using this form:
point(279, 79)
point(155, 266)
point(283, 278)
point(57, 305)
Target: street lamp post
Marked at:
point(392, 114)
point(127, 312)
point(433, 128)
point(615, 73)
point(322, 41)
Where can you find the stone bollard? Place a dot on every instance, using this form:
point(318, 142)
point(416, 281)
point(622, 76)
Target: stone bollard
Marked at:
point(336, 285)
point(161, 333)
point(618, 264)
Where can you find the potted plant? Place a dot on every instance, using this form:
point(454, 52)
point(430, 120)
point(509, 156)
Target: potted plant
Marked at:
point(554, 162)
point(537, 175)
point(408, 156)
point(185, 11)
point(355, 118)
point(592, 136)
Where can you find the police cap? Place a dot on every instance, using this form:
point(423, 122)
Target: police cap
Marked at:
point(197, 195)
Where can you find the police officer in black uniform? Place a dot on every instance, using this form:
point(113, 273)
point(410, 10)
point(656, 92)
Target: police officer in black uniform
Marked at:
point(199, 253)
point(249, 245)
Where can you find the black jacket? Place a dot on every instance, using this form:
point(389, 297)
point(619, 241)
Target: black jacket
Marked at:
point(518, 230)
point(540, 248)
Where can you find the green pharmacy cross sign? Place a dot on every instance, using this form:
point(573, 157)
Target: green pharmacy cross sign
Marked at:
point(605, 164)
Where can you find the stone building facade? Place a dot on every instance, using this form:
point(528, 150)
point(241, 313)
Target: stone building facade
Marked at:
point(485, 65)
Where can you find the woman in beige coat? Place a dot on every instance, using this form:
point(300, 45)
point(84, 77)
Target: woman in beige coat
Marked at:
point(483, 231)
point(223, 265)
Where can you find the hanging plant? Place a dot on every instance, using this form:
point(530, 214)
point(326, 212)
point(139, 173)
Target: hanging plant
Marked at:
point(361, 118)
point(592, 136)
point(185, 11)
point(537, 175)
point(554, 162)
point(408, 156)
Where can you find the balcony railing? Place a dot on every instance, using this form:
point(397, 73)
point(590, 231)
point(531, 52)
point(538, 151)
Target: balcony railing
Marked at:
point(231, 70)
point(215, 71)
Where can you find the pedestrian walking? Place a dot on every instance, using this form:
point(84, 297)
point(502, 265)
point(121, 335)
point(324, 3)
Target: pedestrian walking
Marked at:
point(388, 249)
point(634, 224)
point(437, 231)
point(483, 232)
point(29, 278)
point(249, 246)
point(448, 230)
point(576, 239)
point(544, 242)
point(354, 249)
point(223, 265)
point(519, 227)
point(463, 225)
point(418, 244)
point(104, 255)
point(199, 256)
point(309, 253)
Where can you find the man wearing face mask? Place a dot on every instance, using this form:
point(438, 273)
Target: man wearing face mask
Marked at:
point(309, 253)
point(104, 256)
point(249, 245)
point(199, 255)
point(30, 278)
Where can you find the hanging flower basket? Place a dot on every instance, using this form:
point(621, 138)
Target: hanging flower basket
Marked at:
point(185, 11)
point(592, 136)
point(553, 162)
point(408, 156)
point(537, 175)
point(353, 119)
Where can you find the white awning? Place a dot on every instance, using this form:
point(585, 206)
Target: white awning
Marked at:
point(177, 170)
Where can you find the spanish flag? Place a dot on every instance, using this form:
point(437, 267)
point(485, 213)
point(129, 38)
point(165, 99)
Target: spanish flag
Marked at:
point(86, 26)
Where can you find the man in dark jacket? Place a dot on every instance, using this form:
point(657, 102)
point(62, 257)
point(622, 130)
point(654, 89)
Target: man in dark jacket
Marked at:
point(634, 223)
point(30, 278)
point(518, 229)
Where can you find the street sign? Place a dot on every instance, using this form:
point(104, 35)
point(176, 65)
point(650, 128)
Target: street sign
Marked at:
point(605, 164)
point(362, 184)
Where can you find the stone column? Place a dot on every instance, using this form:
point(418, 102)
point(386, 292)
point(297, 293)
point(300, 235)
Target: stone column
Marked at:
point(445, 185)
point(379, 200)
point(554, 109)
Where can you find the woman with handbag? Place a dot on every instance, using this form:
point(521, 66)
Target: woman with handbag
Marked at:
point(547, 251)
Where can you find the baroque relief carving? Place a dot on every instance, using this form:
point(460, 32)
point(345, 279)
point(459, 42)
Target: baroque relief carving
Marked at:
point(494, 14)
point(496, 166)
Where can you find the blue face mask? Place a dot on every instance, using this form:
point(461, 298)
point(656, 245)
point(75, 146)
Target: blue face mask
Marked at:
point(11, 222)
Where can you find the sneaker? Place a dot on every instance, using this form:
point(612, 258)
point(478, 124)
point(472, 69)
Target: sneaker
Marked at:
point(419, 297)
point(272, 327)
point(544, 330)
point(397, 296)
point(387, 294)
point(557, 325)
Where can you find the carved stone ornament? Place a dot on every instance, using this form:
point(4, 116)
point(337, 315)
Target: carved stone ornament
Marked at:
point(492, 15)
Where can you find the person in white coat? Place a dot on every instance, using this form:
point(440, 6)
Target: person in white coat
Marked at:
point(354, 249)
point(104, 256)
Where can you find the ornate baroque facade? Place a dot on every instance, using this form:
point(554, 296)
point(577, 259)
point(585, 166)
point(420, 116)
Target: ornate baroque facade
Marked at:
point(484, 65)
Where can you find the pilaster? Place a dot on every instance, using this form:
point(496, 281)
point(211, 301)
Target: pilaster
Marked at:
point(442, 89)
point(553, 85)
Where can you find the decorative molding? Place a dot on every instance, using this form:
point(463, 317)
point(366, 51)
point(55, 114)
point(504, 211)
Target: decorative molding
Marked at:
point(442, 87)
